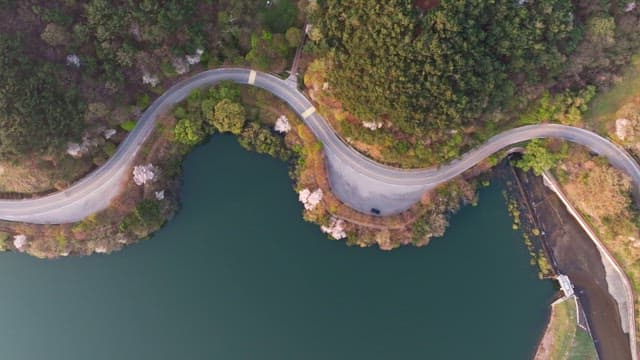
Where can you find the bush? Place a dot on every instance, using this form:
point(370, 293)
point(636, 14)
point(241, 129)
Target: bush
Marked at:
point(293, 36)
point(109, 148)
point(280, 15)
point(538, 158)
point(601, 29)
point(128, 125)
point(143, 102)
point(229, 117)
point(188, 132)
point(566, 108)
point(145, 218)
point(225, 90)
point(3, 240)
point(262, 140)
point(55, 35)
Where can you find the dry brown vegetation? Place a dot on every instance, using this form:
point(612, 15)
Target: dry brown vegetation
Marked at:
point(425, 5)
point(35, 174)
point(102, 232)
point(584, 174)
point(603, 195)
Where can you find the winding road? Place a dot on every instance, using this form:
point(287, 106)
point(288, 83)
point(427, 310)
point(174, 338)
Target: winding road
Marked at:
point(357, 180)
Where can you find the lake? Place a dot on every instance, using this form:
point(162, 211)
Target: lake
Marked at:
point(238, 274)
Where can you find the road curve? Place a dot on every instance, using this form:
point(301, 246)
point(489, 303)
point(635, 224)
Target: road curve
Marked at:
point(357, 180)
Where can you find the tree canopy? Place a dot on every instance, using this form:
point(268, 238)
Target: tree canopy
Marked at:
point(229, 116)
point(537, 158)
point(188, 132)
point(36, 112)
point(445, 67)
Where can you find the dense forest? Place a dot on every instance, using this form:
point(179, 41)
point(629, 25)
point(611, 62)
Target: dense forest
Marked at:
point(72, 65)
point(69, 65)
point(35, 110)
point(448, 66)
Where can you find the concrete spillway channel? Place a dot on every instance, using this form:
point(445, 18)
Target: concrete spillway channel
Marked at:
point(600, 285)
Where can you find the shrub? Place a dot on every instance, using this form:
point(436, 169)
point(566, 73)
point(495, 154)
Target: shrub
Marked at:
point(538, 158)
point(229, 117)
point(143, 101)
point(145, 218)
point(263, 141)
point(128, 125)
point(109, 148)
point(55, 35)
point(293, 36)
point(188, 132)
point(3, 240)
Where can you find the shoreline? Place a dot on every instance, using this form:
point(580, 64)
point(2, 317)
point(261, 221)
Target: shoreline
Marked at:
point(327, 161)
point(388, 232)
point(492, 172)
point(357, 181)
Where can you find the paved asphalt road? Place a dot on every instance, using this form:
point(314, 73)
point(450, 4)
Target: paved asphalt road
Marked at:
point(357, 180)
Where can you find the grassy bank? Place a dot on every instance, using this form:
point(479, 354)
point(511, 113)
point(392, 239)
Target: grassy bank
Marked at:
point(603, 110)
point(564, 339)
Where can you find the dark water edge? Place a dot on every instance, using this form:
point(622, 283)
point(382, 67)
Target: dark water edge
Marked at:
point(237, 274)
point(575, 255)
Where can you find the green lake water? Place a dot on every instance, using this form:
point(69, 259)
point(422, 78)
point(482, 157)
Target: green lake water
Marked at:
point(239, 275)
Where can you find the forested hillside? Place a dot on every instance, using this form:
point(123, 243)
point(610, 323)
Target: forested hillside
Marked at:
point(445, 67)
point(416, 83)
point(73, 68)
point(35, 110)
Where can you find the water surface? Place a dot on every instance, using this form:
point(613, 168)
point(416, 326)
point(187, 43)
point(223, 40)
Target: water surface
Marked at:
point(239, 275)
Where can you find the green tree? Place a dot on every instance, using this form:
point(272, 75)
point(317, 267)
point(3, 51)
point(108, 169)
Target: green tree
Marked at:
point(566, 108)
point(601, 28)
point(55, 35)
point(262, 140)
point(538, 158)
point(293, 36)
point(229, 116)
point(37, 112)
point(280, 15)
point(268, 51)
point(145, 218)
point(188, 132)
point(224, 90)
point(445, 68)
